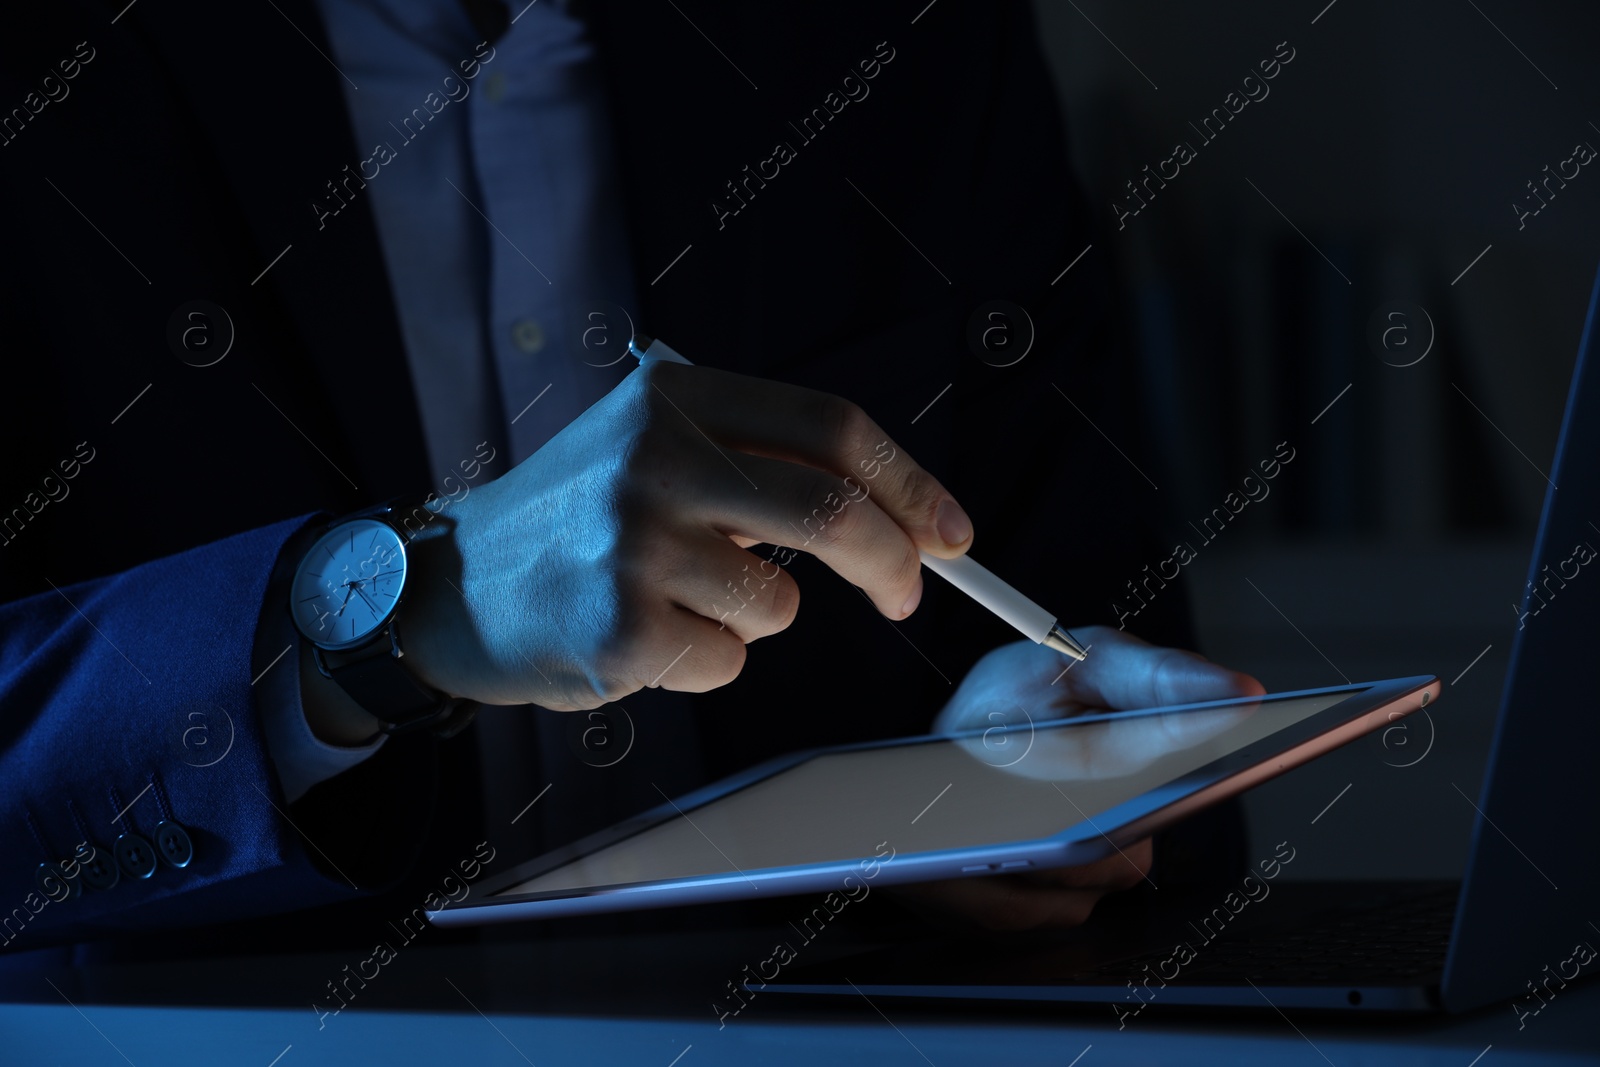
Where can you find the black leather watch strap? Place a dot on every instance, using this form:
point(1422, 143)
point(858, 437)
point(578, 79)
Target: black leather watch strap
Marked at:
point(377, 680)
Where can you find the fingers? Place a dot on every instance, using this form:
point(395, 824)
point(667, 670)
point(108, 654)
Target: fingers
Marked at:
point(835, 519)
point(1054, 899)
point(821, 431)
point(1123, 869)
point(741, 592)
point(1125, 672)
point(677, 650)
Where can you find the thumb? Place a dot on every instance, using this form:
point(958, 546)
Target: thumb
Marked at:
point(1123, 672)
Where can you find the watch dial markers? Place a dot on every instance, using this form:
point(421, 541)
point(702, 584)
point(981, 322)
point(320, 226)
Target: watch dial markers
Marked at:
point(348, 585)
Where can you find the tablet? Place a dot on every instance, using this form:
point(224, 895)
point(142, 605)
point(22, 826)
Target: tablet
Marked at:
point(973, 804)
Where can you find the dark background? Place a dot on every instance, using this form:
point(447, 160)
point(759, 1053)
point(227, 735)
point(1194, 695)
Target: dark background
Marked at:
point(1394, 145)
point(1397, 542)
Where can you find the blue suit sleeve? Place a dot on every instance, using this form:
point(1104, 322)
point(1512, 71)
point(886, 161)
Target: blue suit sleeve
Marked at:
point(126, 703)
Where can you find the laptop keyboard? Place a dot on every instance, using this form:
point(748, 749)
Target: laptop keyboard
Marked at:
point(1400, 941)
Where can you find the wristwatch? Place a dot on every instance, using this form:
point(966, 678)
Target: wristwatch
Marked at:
point(345, 599)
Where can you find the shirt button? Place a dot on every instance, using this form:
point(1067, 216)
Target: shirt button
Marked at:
point(495, 87)
point(527, 335)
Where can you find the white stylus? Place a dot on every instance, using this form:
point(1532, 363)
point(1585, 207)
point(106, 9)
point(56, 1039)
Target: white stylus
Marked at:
point(963, 572)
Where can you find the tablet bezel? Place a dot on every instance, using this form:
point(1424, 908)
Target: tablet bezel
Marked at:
point(1370, 705)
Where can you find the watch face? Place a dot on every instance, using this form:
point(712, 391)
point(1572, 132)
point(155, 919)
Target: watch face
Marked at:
point(349, 583)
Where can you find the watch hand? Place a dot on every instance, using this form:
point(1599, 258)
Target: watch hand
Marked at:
point(348, 589)
point(368, 599)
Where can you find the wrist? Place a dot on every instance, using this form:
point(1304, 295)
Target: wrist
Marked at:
point(356, 594)
point(429, 616)
point(333, 716)
point(308, 738)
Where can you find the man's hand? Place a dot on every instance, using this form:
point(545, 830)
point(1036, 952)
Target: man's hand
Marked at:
point(1024, 679)
point(615, 557)
point(1122, 673)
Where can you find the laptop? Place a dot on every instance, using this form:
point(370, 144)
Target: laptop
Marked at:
point(1520, 925)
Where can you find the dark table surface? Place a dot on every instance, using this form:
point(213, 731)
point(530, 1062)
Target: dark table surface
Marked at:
point(640, 989)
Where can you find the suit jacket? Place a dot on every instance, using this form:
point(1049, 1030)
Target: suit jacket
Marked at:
point(837, 229)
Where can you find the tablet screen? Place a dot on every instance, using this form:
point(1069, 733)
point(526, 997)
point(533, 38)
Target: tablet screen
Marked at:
point(1014, 784)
